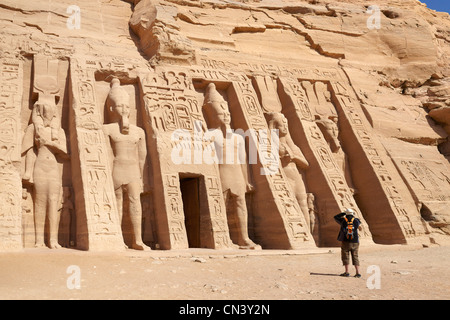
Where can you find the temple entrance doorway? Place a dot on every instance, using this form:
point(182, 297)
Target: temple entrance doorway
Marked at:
point(191, 204)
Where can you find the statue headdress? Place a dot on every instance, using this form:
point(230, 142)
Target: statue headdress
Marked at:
point(212, 95)
point(117, 94)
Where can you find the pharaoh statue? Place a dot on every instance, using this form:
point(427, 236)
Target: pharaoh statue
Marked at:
point(44, 147)
point(292, 160)
point(128, 146)
point(233, 170)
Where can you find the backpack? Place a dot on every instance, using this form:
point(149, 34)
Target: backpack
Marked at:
point(348, 230)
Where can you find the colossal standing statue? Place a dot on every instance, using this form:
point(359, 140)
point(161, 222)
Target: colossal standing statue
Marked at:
point(230, 148)
point(292, 159)
point(129, 153)
point(44, 145)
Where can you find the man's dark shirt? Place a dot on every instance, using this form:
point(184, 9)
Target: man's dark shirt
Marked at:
point(356, 223)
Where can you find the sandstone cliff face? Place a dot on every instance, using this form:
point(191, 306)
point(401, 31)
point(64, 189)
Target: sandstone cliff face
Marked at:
point(363, 93)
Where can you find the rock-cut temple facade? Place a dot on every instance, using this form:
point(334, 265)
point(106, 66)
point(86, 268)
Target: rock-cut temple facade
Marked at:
point(178, 124)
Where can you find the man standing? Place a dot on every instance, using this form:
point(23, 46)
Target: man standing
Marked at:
point(348, 235)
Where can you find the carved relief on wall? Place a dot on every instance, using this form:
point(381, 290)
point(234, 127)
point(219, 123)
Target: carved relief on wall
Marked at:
point(268, 170)
point(309, 106)
point(175, 216)
point(172, 106)
point(10, 186)
point(98, 224)
point(218, 212)
point(427, 176)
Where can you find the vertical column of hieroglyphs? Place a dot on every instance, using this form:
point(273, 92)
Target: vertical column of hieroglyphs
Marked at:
point(399, 205)
point(326, 178)
point(218, 213)
point(10, 183)
point(174, 209)
point(97, 218)
point(286, 207)
point(165, 112)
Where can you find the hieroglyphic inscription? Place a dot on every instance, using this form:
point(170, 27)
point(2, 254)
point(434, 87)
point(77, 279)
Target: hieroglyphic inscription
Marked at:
point(100, 204)
point(213, 66)
point(217, 212)
point(27, 46)
point(10, 187)
point(170, 101)
point(174, 209)
point(293, 88)
point(430, 180)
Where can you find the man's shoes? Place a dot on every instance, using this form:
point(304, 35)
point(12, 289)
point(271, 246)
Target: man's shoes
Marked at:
point(346, 274)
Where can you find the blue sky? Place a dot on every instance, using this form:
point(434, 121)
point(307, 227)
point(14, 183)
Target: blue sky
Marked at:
point(438, 5)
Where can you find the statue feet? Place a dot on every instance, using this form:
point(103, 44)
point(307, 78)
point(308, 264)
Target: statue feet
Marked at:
point(249, 244)
point(40, 245)
point(54, 245)
point(140, 246)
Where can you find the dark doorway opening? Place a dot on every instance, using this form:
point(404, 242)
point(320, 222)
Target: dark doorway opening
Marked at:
point(191, 205)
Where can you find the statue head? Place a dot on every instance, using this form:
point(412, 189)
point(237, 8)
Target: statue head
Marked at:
point(330, 130)
point(46, 109)
point(277, 120)
point(216, 108)
point(118, 101)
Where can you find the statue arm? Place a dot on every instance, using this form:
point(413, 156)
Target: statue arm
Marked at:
point(108, 146)
point(242, 157)
point(63, 141)
point(297, 156)
point(28, 139)
point(59, 147)
point(142, 152)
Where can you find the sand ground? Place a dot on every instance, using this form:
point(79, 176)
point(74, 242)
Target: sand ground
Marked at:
point(405, 272)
